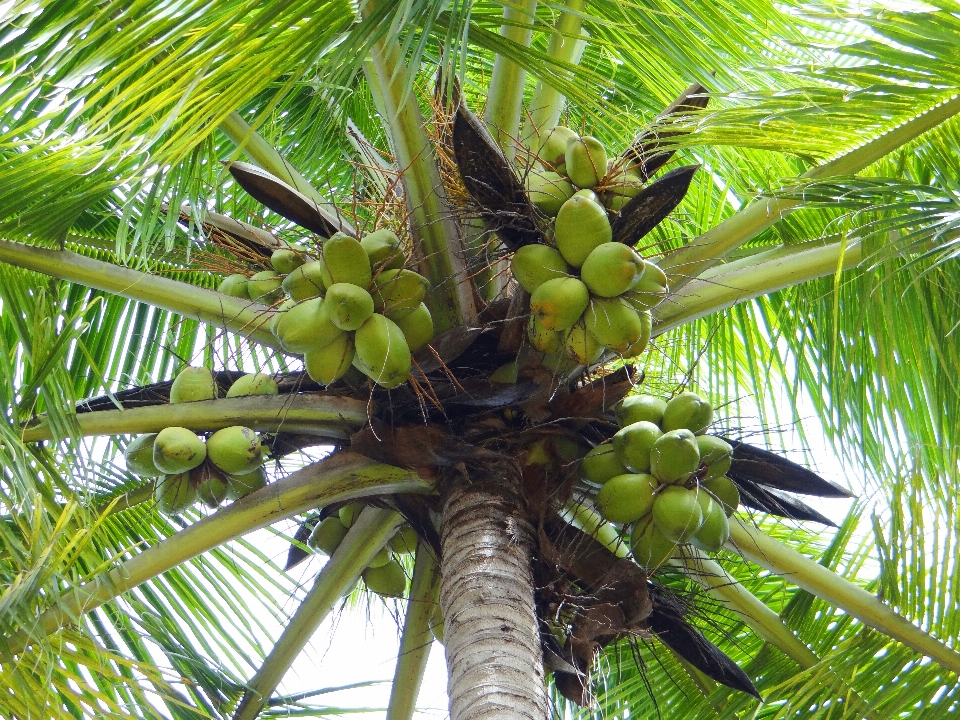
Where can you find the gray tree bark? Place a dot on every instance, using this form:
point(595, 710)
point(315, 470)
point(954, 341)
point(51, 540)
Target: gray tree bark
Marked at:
point(492, 638)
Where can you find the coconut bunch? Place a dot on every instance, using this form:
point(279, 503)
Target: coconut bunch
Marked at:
point(225, 465)
point(589, 293)
point(662, 478)
point(384, 575)
point(355, 305)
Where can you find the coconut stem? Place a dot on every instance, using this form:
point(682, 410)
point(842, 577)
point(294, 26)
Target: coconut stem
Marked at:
point(417, 639)
point(307, 413)
point(343, 476)
point(247, 318)
point(505, 95)
point(371, 531)
point(712, 246)
point(766, 552)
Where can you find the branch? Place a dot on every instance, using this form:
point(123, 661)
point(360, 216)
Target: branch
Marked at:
point(766, 552)
point(342, 476)
point(307, 413)
point(371, 531)
point(417, 639)
point(746, 279)
point(709, 248)
point(437, 245)
point(241, 316)
point(505, 94)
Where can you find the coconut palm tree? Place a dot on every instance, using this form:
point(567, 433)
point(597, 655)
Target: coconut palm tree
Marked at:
point(796, 174)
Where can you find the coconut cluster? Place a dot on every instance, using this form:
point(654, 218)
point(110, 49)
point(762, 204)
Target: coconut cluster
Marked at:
point(354, 306)
point(661, 474)
point(384, 575)
point(225, 465)
point(588, 293)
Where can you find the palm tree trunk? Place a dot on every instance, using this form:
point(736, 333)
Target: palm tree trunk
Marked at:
point(494, 660)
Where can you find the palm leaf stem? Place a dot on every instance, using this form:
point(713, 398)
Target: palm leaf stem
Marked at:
point(813, 577)
point(344, 475)
point(438, 245)
point(505, 94)
point(263, 154)
point(705, 251)
point(592, 523)
point(416, 641)
point(242, 316)
point(547, 102)
point(368, 534)
point(760, 274)
point(306, 413)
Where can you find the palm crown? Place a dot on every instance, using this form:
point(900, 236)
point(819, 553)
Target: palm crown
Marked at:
point(811, 254)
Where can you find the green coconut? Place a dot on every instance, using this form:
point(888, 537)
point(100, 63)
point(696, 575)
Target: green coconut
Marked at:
point(688, 411)
point(236, 450)
point(344, 261)
point(532, 265)
point(586, 161)
point(541, 339)
point(436, 624)
point(404, 541)
point(327, 535)
point(611, 269)
point(724, 492)
point(308, 326)
point(650, 289)
point(286, 260)
point(384, 250)
point(621, 188)
point(265, 286)
point(348, 514)
point(398, 292)
point(193, 384)
point(235, 286)
point(253, 384)
point(715, 454)
point(640, 407)
point(614, 324)
point(349, 306)
point(175, 493)
point(239, 486)
point(177, 450)
point(715, 530)
point(634, 443)
point(646, 330)
point(388, 580)
point(139, 456)
point(305, 282)
point(417, 328)
point(650, 547)
point(601, 464)
point(581, 346)
point(581, 226)
point(675, 456)
point(677, 513)
point(279, 313)
point(506, 374)
point(331, 362)
point(382, 353)
point(547, 191)
point(559, 303)
point(211, 484)
point(381, 558)
point(552, 147)
point(626, 498)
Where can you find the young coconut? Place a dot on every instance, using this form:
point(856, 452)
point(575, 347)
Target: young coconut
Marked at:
point(177, 450)
point(715, 530)
point(235, 286)
point(611, 269)
point(650, 547)
point(634, 443)
point(306, 327)
point(139, 456)
point(236, 450)
point(349, 306)
point(286, 260)
point(344, 261)
point(640, 407)
point(614, 324)
point(348, 514)
point(404, 542)
point(305, 282)
point(650, 289)
point(548, 191)
point(724, 492)
point(436, 624)
point(541, 339)
point(601, 464)
point(175, 493)
point(381, 558)
point(687, 411)
point(559, 303)
point(384, 250)
point(677, 513)
point(327, 535)
point(239, 486)
point(253, 384)
point(582, 347)
point(581, 226)
point(586, 161)
point(382, 353)
point(417, 328)
point(193, 384)
point(675, 456)
point(533, 265)
point(715, 454)
point(211, 484)
point(398, 292)
point(552, 147)
point(332, 361)
point(265, 286)
point(626, 498)
point(388, 580)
